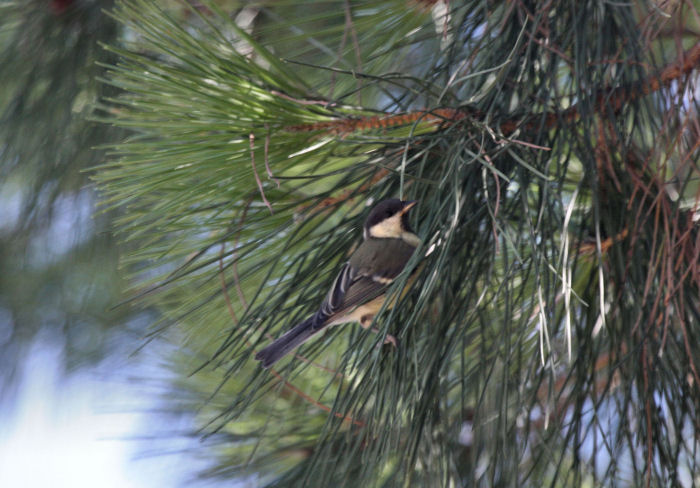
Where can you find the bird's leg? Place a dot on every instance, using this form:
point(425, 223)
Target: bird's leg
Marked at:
point(366, 321)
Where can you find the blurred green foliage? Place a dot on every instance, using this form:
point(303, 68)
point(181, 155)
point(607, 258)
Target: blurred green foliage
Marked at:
point(58, 262)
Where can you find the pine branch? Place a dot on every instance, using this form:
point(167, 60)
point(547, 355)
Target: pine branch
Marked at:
point(605, 100)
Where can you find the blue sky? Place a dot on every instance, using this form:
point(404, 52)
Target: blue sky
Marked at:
point(80, 430)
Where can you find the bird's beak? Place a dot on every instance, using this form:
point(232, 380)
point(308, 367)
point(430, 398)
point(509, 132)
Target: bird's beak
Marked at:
point(408, 205)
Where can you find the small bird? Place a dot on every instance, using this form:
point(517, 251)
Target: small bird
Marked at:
point(359, 291)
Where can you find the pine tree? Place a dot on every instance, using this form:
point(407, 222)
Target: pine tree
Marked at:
point(552, 337)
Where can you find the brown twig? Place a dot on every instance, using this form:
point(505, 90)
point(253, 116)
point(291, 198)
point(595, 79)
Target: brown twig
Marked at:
point(347, 126)
point(345, 194)
point(267, 159)
point(316, 403)
point(588, 247)
point(234, 265)
point(251, 137)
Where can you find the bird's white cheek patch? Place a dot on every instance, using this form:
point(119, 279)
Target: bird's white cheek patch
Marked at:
point(387, 228)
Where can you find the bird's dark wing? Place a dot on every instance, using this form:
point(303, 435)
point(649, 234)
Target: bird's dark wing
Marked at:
point(334, 300)
point(362, 291)
point(351, 288)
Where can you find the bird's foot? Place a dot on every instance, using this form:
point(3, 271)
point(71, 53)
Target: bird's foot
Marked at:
point(366, 321)
point(390, 339)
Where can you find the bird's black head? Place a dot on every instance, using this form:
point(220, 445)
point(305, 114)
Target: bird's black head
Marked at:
point(389, 218)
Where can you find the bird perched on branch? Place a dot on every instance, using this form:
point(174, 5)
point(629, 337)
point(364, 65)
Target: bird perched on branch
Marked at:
point(359, 291)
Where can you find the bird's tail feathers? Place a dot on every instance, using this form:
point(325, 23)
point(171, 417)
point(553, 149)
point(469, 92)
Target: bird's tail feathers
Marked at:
point(292, 339)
